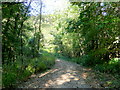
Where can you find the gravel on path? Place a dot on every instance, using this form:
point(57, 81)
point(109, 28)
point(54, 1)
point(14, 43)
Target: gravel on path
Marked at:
point(64, 74)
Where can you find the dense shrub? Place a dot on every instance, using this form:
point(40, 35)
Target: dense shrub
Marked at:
point(113, 66)
point(86, 60)
point(9, 75)
point(14, 73)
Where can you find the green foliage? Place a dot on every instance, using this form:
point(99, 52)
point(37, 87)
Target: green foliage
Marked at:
point(113, 66)
point(48, 59)
point(9, 79)
point(22, 44)
point(84, 33)
point(87, 36)
point(30, 68)
point(114, 61)
point(90, 37)
point(12, 74)
point(9, 75)
point(41, 66)
point(15, 73)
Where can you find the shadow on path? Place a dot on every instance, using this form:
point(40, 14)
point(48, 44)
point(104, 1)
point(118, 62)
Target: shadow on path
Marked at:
point(63, 75)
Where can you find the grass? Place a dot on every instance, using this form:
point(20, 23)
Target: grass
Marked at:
point(15, 73)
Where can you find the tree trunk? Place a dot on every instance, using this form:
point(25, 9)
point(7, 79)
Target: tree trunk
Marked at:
point(40, 25)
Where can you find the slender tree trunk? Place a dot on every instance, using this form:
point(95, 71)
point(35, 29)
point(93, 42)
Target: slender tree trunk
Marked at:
point(4, 48)
point(21, 33)
point(34, 43)
point(15, 29)
point(40, 25)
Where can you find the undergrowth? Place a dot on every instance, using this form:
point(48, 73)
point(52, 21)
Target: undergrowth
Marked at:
point(110, 68)
point(14, 73)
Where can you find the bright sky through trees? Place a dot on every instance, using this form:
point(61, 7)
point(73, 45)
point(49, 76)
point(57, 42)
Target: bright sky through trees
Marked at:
point(49, 6)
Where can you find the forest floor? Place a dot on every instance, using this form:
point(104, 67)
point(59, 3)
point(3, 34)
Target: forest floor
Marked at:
point(63, 74)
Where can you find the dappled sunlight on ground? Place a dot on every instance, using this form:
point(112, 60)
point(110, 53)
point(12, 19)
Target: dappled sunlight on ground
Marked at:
point(64, 78)
point(63, 75)
point(84, 75)
point(51, 71)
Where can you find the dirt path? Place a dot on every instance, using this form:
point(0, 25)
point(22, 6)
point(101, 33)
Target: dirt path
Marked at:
point(63, 75)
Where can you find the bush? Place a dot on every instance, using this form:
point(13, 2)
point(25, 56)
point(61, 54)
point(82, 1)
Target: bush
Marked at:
point(41, 66)
point(87, 60)
point(9, 79)
point(48, 59)
point(9, 75)
point(24, 75)
point(42, 63)
point(77, 60)
point(20, 72)
point(30, 68)
point(113, 66)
